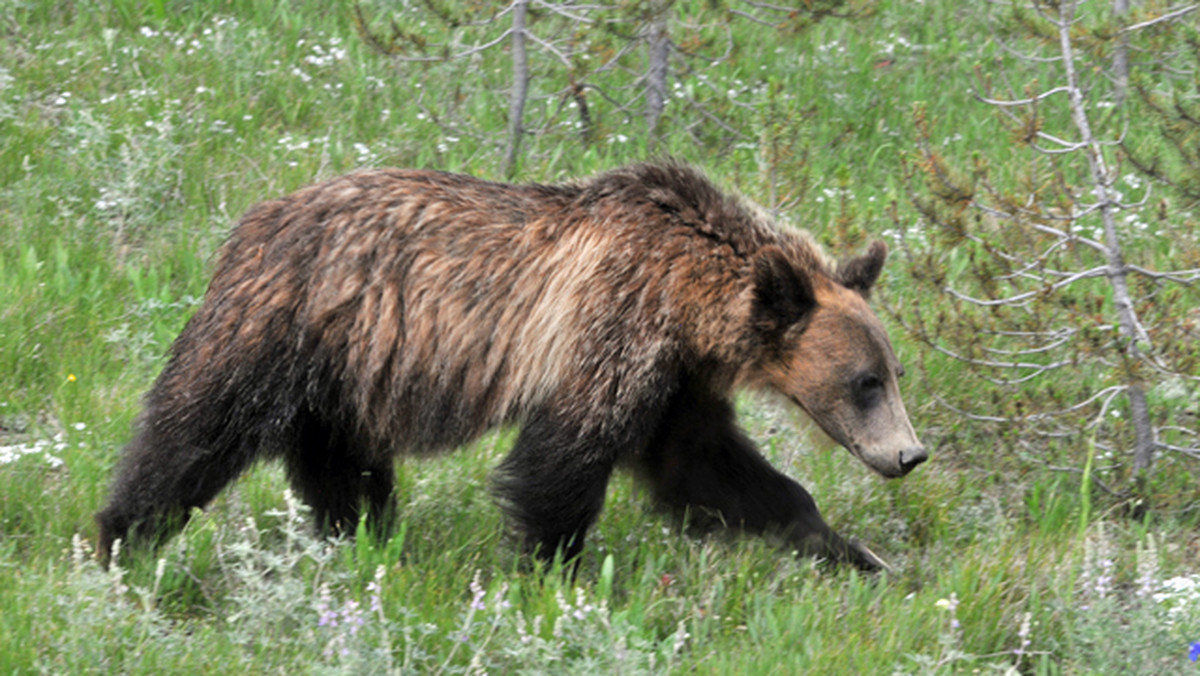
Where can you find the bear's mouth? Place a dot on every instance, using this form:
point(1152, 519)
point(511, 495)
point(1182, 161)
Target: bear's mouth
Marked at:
point(888, 466)
point(886, 470)
point(855, 449)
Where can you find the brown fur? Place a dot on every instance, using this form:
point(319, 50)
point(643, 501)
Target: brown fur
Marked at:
point(395, 311)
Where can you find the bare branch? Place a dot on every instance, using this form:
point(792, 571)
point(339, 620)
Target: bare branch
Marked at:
point(1023, 56)
point(562, 58)
point(1101, 271)
point(1057, 151)
point(1059, 339)
point(713, 118)
point(561, 10)
point(1001, 364)
point(1180, 430)
point(614, 102)
point(1186, 277)
point(1022, 102)
point(773, 8)
point(755, 19)
point(459, 55)
point(968, 414)
point(1071, 146)
point(1095, 479)
point(1074, 237)
point(1169, 16)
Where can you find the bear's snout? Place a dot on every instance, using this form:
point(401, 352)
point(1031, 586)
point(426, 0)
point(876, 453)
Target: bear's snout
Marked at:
point(911, 457)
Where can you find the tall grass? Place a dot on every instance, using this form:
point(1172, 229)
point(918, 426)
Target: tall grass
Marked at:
point(131, 136)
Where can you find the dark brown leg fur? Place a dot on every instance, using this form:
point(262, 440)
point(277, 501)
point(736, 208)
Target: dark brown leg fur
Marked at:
point(324, 469)
point(552, 484)
point(161, 478)
point(700, 464)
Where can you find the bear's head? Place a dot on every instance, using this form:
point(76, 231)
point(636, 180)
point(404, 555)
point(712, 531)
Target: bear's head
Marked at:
point(827, 351)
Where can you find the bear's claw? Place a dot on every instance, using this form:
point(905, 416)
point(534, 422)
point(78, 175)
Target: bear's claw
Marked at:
point(866, 559)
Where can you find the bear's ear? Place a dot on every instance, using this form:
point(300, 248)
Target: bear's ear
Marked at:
point(859, 274)
point(782, 294)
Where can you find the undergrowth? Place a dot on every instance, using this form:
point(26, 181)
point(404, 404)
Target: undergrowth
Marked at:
point(132, 134)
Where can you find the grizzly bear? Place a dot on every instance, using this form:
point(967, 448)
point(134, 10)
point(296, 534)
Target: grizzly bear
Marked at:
point(393, 311)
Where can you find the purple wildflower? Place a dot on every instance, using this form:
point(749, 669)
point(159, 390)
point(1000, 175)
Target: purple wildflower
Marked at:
point(328, 616)
point(352, 616)
point(1194, 651)
point(375, 587)
point(478, 592)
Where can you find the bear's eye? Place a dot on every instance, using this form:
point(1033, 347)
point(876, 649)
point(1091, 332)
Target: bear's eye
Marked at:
point(868, 390)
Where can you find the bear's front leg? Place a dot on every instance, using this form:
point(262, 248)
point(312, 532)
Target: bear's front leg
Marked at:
point(163, 474)
point(552, 483)
point(702, 465)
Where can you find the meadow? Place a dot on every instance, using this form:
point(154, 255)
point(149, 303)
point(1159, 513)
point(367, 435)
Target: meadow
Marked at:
point(134, 132)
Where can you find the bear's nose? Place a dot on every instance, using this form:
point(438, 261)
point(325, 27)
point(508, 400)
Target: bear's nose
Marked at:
point(911, 457)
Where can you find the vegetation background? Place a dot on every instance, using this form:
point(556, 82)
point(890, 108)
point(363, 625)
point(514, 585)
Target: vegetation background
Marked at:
point(133, 133)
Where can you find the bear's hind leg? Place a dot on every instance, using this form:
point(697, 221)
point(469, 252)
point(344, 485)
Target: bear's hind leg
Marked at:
point(553, 483)
point(702, 465)
point(326, 470)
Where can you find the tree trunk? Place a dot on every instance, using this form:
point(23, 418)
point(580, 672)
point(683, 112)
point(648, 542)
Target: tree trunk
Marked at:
point(520, 88)
point(1121, 54)
point(1127, 319)
point(656, 71)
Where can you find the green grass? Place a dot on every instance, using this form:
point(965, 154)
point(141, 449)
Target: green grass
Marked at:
point(132, 134)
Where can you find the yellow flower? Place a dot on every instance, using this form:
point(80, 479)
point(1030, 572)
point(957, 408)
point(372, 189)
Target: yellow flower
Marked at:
point(70, 377)
point(948, 604)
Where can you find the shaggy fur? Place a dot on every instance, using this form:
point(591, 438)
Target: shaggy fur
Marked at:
point(395, 311)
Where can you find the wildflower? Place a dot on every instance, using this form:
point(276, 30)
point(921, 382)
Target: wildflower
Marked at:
point(352, 616)
point(951, 605)
point(327, 616)
point(500, 600)
point(1023, 634)
point(159, 570)
point(376, 589)
point(80, 551)
point(681, 638)
point(522, 632)
point(478, 592)
point(1147, 564)
point(1194, 651)
point(582, 608)
point(70, 377)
